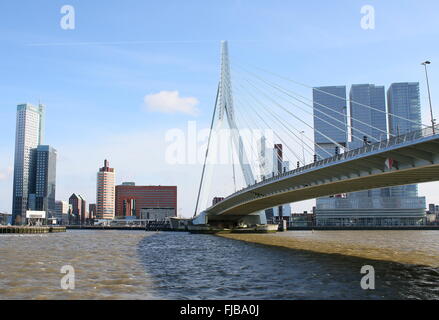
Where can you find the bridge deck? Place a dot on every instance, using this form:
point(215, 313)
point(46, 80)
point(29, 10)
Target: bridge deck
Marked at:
point(416, 158)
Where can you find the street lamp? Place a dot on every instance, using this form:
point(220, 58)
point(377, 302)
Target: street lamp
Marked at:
point(429, 94)
point(303, 147)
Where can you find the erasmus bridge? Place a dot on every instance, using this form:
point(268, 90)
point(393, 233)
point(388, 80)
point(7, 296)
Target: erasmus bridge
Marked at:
point(393, 160)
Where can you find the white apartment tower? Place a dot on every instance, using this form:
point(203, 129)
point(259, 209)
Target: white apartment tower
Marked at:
point(105, 193)
point(29, 134)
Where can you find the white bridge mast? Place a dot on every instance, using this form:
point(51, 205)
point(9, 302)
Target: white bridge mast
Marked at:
point(225, 112)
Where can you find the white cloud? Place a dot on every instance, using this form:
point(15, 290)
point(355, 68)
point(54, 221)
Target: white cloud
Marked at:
point(171, 102)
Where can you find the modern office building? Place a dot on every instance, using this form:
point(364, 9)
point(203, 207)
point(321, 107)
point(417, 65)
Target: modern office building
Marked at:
point(29, 134)
point(45, 180)
point(78, 209)
point(367, 114)
point(105, 196)
point(404, 102)
point(271, 163)
point(368, 123)
point(92, 211)
point(154, 201)
point(63, 210)
point(330, 120)
point(330, 126)
point(377, 207)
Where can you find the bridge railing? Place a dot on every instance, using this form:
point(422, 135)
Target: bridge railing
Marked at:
point(395, 140)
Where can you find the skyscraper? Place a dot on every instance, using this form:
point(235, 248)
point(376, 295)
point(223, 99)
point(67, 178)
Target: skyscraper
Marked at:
point(367, 107)
point(369, 122)
point(29, 134)
point(78, 205)
point(271, 163)
point(45, 180)
point(105, 192)
point(92, 211)
point(330, 129)
point(404, 102)
point(377, 207)
point(63, 211)
point(330, 120)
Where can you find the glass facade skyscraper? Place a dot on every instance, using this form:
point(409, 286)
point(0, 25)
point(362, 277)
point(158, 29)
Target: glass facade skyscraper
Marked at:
point(403, 100)
point(369, 121)
point(45, 180)
point(330, 125)
point(29, 134)
point(330, 120)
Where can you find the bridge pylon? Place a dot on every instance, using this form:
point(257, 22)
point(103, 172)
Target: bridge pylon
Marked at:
point(224, 113)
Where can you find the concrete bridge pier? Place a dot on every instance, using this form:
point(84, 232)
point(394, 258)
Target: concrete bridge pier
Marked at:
point(230, 221)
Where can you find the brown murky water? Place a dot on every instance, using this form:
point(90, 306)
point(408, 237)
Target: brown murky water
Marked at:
point(104, 262)
point(411, 247)
point(168, 265)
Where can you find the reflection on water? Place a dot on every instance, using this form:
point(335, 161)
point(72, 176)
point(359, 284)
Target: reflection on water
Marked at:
point(185, 266)
point(139, 265)
point(412, 247)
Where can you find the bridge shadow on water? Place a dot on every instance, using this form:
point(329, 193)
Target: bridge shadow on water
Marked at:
point(196, 266)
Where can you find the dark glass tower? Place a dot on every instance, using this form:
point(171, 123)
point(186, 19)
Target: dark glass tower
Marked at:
point(45, 180)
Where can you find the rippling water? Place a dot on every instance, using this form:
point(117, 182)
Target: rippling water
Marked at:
point(139, 265)
point(105, 263)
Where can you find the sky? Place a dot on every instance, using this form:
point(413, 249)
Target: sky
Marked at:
point(131, 71)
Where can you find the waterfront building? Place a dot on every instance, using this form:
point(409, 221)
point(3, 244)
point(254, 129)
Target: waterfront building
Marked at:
point(5, 218)
point(78, 213)
point(92, 211)
point(29, 134)
point(377, 207)
point(330, 126)
point(153, 201)
point(271, 163)
point(330, 120)
point(404, 102)
point(105, 192)
point(62, 211)
point(45, 180)
point(367, 122)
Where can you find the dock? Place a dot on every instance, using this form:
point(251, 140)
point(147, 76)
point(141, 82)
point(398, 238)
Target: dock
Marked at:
point(31, 229)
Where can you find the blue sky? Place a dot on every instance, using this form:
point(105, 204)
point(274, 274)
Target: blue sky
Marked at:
point(93, 79)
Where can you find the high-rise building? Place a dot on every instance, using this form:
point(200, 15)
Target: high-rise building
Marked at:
point(131, 200)
point(105, 197)
point(63, 210)
point(404, 103)
point(377, 207)
point(92, 211)
point(45, 180)
point(403, 100)
point(29, 134)
point(330, 120)
point(280, 166)
point(367, 122)
point(271, 163)
point(78, 209)
point(330, 126)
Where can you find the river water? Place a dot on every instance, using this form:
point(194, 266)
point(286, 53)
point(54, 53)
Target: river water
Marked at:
point(148, 265)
